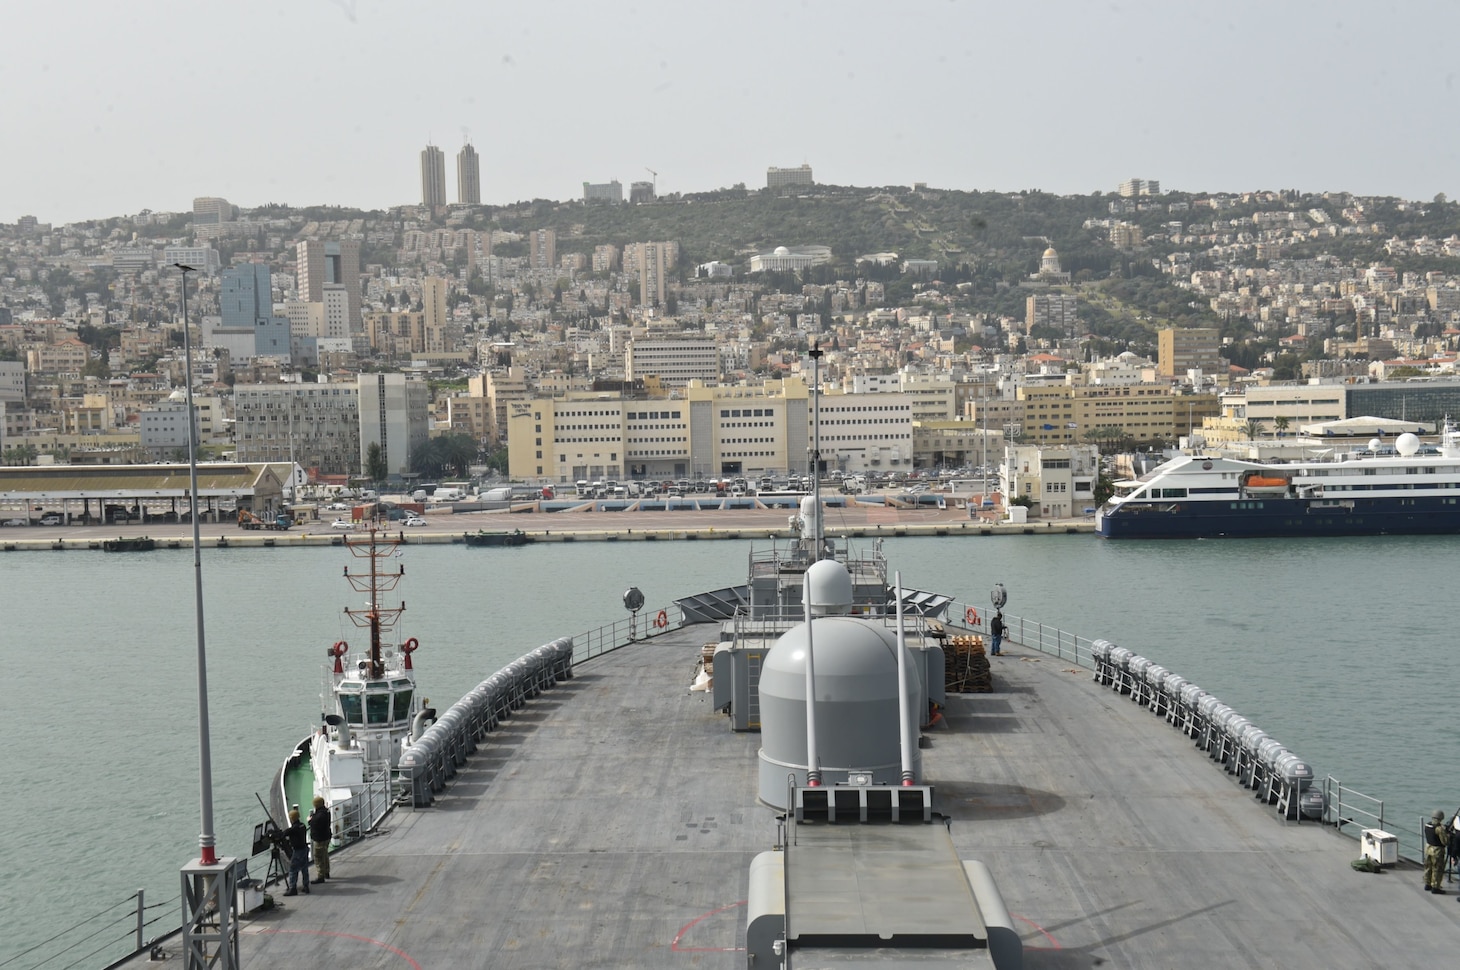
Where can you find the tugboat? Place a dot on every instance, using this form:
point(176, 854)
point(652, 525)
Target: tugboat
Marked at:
point(370, 708)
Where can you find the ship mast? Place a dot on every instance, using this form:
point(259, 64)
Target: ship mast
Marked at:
point(376, 618)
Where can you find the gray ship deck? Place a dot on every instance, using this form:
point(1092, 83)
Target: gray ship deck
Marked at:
point(612, 824)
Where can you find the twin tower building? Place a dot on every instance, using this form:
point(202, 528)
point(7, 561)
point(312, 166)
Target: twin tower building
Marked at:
point(468, 176)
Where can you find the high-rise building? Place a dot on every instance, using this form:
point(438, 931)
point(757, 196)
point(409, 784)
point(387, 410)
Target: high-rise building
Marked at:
point(544, 249)
point(468, 176)
point(652, 260)
point(1133, 187)
point(393, 415)
point(433, 176)
point(331, 262)
point(778, 178)
point(247, 326)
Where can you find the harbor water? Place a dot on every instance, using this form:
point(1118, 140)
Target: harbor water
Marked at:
point(1337, 647)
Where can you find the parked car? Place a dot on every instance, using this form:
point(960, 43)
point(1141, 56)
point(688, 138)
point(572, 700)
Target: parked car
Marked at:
point(51, 518)
point(343, 525)
point(337, 507)
point(411, 519)
point(16, 522)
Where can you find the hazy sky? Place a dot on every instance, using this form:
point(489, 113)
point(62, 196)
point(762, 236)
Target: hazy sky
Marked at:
point(110, 108)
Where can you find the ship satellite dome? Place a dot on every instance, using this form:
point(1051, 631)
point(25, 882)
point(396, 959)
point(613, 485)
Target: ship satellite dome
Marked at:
point(828, 588)
point(1407, 444)
point(1375, 444)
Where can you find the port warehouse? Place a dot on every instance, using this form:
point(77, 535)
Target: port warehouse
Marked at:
point(97, 493)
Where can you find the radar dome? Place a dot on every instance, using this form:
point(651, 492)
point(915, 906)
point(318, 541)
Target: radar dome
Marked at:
point(1375, 444)
point(856, 705)
point(1407, 444)
point(828, 587)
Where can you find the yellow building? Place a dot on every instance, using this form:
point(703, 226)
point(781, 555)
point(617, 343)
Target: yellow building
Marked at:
point(1064, 414)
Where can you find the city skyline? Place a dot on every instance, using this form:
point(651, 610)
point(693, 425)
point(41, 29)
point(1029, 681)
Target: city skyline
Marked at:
point(1307, 95)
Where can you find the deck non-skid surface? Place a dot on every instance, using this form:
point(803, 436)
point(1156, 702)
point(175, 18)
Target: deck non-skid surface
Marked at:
point(612, 824)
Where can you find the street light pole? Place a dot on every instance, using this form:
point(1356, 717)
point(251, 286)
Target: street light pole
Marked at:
point(207, 854)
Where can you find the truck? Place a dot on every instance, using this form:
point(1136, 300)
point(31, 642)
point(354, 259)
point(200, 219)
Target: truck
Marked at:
point(247, 520)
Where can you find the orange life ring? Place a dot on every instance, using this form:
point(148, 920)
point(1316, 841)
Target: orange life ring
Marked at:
point(662, 620)
point(971, 616)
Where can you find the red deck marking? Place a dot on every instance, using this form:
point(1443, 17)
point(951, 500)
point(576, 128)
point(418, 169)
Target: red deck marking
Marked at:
point(1053, 943)
point(704, 949)
point(352, 936)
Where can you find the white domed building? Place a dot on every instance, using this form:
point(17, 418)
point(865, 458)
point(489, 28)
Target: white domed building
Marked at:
point(782, 259)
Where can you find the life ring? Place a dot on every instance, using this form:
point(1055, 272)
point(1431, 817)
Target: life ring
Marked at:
point(662, 620)
point(408, 648)
point(338, 651)
point(971, 615)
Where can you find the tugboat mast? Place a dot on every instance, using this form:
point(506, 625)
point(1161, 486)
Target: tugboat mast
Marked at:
point(376, 618)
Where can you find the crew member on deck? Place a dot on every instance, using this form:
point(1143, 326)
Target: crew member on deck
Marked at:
point(319, 835)
point(1437, 844)
point(298, 854)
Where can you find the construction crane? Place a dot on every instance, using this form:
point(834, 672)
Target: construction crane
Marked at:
point(654, 183)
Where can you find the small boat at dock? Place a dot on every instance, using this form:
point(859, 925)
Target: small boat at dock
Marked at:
point(484, 538)
point(134, 544)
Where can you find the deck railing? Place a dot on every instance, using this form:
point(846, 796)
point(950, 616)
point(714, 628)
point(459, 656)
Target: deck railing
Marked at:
point(1348, 810)
point(645, 625)
point(116, 934)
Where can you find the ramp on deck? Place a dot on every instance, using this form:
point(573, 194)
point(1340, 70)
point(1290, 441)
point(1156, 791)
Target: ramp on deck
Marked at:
point(613, 821)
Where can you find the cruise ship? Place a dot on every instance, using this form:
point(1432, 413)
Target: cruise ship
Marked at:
point(1408, 489)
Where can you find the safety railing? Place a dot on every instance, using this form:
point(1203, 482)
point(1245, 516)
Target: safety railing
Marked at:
point(1348, 810)
point(1026, 633)
point(116, 934)
point(1351, 811)
point(644, 625)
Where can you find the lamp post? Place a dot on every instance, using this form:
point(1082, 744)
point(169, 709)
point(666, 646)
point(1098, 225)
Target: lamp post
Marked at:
point(207, 855)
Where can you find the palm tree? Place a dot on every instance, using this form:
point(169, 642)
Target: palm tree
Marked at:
point(1252, 429)
point(1280, 425)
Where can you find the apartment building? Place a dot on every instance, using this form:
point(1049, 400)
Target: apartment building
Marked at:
point(316, 425)
point(675, 362)
point(1057, 310)
point(1192, 348)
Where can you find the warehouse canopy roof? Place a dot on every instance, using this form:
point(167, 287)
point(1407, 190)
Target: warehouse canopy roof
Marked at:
point(135, 481)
